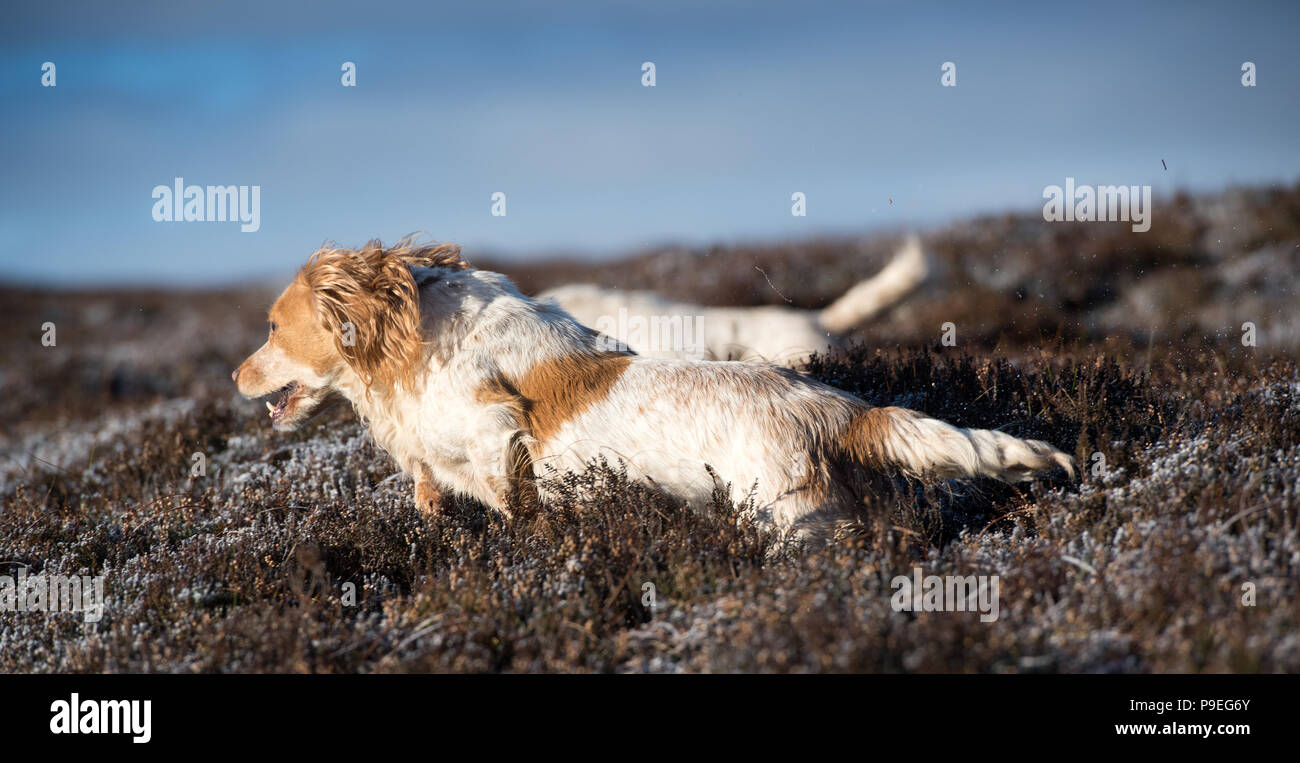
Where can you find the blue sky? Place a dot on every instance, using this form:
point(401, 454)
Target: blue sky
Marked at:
point(543, 101)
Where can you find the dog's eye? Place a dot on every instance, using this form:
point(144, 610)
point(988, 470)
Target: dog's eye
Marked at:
point(272, 327)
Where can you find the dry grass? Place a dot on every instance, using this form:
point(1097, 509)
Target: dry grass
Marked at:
point(1096, 339)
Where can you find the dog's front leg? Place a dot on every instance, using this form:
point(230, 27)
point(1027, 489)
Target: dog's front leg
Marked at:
point(509, 476)
point(428, 495)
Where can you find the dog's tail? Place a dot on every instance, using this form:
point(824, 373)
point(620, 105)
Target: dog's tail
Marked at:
point(910, 441)
point(873, 296)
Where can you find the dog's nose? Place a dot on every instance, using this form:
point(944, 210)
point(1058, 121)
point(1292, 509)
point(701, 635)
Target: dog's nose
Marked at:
point(234, 376)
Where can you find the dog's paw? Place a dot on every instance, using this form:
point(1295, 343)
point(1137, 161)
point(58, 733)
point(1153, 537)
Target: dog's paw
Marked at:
point(428, 498)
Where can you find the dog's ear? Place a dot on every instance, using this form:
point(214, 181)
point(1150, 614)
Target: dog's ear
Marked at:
point(369, 303)
point(428, 255)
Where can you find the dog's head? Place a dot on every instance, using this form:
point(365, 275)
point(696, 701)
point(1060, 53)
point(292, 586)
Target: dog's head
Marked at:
point(347, 311)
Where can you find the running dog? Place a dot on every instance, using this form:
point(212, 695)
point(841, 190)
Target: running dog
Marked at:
point(473, 387)
point(650, 325)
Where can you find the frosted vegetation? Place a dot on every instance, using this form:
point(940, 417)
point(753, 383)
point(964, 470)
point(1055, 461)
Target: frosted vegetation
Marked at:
point(1094, 338)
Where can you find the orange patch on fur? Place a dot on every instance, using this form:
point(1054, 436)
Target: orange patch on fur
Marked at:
point(868, 433)
point(299, 331)
point(559, 390)
point(554, 391)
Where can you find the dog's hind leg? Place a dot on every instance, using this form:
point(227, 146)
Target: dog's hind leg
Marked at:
point(806, 512)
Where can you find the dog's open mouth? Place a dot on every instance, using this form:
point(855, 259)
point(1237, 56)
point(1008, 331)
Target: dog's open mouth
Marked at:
point(281, 400)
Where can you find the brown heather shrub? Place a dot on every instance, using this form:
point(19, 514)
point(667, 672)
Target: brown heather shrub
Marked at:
point(1062, 337)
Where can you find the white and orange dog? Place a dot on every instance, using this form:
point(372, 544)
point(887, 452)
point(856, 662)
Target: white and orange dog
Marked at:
point(474, 388)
